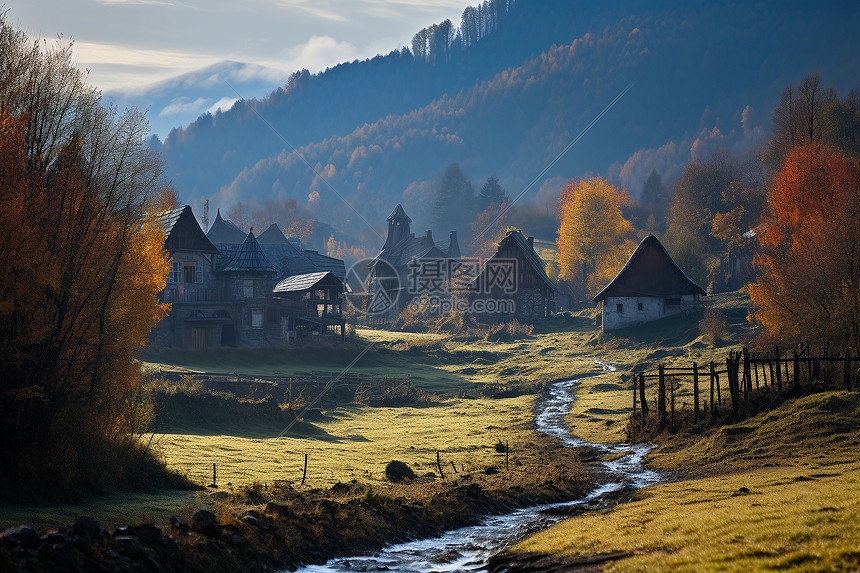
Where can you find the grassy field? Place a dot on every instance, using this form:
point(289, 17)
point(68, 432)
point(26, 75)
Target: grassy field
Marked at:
point(355, 442)
point(779, 491)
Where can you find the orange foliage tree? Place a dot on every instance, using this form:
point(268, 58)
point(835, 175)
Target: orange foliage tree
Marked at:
point(593, 235)
point(81, 263)
point(808, 283)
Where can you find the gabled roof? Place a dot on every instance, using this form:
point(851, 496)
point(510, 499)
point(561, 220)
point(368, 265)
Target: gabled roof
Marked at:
point(183, 233)
point(224, 231)
point(530, 254)
point(399, 214)
point(272, 236)
point(650, 272)
point(250, 258)
point(298, 283)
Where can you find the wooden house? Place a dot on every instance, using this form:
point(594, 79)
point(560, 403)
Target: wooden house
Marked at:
point(311, 306)
point(649, 287)
point(401, 249)
point(513, 283)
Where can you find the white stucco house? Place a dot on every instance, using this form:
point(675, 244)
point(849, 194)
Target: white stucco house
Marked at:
point(649, 287)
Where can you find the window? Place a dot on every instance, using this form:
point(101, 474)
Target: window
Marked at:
point(175, 272)
point(639, 306)
point(248, 288)
point(320, 310)
point(619, 307)
point(190, 270)
point(320, 294)
point(256, 318)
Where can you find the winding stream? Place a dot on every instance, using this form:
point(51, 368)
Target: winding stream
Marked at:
point(469, 548)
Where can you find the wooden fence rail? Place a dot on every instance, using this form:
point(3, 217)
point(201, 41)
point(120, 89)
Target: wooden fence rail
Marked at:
point(742, 374)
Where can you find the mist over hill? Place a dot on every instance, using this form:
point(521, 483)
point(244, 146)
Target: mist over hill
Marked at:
point(508, 99)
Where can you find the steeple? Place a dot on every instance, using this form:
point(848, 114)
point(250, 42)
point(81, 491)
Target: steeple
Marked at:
point(398, 226)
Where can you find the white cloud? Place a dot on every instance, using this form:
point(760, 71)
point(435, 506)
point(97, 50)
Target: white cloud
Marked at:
point(222, 104)
point(184, 105)
point(320, 52)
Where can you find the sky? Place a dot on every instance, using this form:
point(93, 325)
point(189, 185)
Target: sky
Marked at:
point(129, 44)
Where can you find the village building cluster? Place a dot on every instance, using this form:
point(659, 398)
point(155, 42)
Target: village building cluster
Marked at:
point(228, 287)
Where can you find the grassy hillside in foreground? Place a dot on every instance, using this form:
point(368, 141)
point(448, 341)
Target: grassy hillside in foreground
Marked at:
point(778, 491)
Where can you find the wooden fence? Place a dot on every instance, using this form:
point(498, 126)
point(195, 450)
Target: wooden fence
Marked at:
point(715, 387)
point(350, 387)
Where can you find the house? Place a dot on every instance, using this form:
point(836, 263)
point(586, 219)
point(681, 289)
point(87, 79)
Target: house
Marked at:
point(311, 305)
point(513, 283)
point(649, 287)
point(398, 256)
point(222, 287)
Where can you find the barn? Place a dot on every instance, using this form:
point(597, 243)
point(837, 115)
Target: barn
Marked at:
point(649, 287)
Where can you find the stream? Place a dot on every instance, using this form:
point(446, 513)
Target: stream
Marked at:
point(469, 548)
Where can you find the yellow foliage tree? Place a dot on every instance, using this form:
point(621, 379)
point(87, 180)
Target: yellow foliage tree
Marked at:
point(592, 233)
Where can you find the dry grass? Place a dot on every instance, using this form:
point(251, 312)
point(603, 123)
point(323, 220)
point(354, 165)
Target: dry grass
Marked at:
point(780, 491)
point(356, 442)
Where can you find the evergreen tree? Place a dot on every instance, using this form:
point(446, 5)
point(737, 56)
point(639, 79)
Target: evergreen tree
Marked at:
point(491, 192)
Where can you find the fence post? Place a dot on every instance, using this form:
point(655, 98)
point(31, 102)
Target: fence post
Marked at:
point(507, 453)
point(661, 395)
point(695, 392)
point(747, 376)
point(778, 371)
point(732, 373)
point(633, 415)
point(439, 465)
point(847, 373)
point(795, 389)
point(642, 395)
point(305, 471)
point(711, 406)
point(214, 481)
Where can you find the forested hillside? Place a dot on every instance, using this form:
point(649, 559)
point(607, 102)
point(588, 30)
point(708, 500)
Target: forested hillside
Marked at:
point(508, 99)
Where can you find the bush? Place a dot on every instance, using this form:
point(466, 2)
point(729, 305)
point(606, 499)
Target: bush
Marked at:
point(397, 471)
point(713, 325)
point(508, 331)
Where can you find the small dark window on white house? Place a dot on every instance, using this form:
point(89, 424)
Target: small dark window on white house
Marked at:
point(256, 318)
point(639, 306)
point(619, 307)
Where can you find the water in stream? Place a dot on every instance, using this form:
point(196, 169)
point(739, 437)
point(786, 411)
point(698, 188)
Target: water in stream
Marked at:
point(469, 548)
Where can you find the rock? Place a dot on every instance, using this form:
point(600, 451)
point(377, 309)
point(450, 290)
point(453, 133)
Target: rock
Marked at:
point(491, 470)
point(21, 535)
point(64, 554)
point(206, 523)
point(148, 533)
point(128, 545)
point(87, 525)
point(397, 471)
point(179, 523)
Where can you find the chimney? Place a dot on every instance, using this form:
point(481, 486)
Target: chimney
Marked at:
point(453, 246)
point(532, 243)
point(429, 235)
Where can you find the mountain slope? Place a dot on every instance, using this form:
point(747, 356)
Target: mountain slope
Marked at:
point(697, 74)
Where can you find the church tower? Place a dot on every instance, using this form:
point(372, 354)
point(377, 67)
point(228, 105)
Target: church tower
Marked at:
point(398, 227)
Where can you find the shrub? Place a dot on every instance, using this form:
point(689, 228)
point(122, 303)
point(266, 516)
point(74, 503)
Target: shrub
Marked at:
point(397, 471)
point(508, 331)
point(713, 325)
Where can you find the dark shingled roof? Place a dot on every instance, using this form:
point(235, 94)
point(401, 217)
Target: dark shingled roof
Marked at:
point(250, 258)
point(399, 215)
point(297, 283)
point(650, 272)
point(531, 255)
point(272, 236)
point(224, 231)
point(183, 233)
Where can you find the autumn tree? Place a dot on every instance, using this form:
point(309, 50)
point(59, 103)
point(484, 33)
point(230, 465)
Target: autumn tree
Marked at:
point(592, 232)
point(82, 263)
point(808, 270)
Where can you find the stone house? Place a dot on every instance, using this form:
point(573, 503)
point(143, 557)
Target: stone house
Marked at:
point(223, 294)
point(649, 287)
